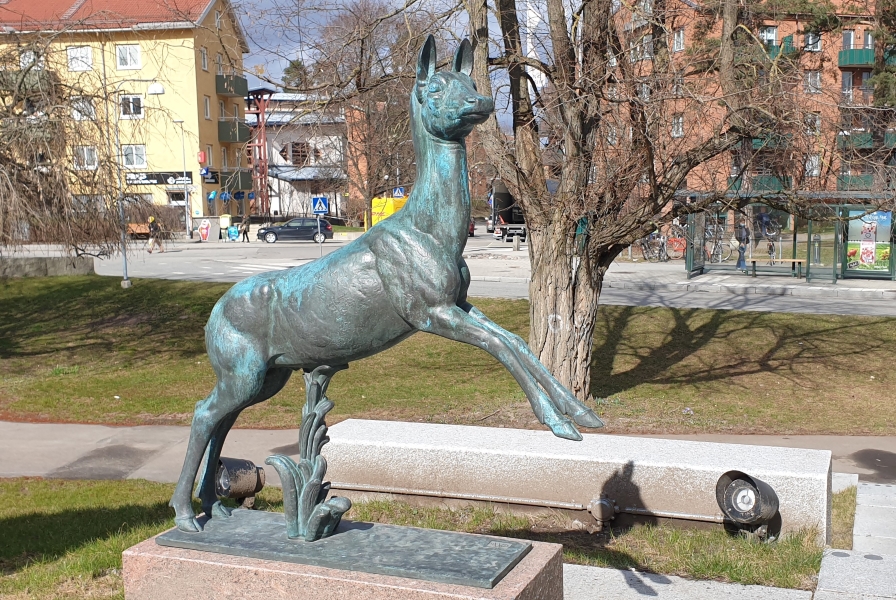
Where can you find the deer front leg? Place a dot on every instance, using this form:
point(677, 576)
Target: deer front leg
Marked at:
point(567, 403)
point(454, 323)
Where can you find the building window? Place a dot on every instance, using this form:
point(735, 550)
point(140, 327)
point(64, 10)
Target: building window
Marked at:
point(678, 85)
point(207, 105)
point(644, 92)
point(133, 156)
point(217, 19)
point(80, 58)
point(611, 59)
point(768, 36)
point(208, 153)
point(236, 111)
point(813, 42)
point(813, 82)
point(83, 109)
point(641, 49)
point(615, 5)
point(127, 56)
point(646, 7)
point(223, 158)
point(29, 59)
point(222, 114)
point(813, 165)
point(813, 124)
point(219, 64)
point(85, 158)
point(678, 40)
point(677, 126)
point(237, 158)
point(298, 153)
point(131, 107)
point(203, 58)
point(869, 40)
point(612, 135)
point(849, 39)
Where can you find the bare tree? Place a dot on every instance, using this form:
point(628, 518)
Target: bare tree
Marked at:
point(604, 97)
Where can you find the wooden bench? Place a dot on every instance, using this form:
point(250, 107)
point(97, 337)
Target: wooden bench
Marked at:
point(795, 263)
point(138, 230)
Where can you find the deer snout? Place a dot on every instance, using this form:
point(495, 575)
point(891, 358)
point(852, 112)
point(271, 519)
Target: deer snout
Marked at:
point(475, 104)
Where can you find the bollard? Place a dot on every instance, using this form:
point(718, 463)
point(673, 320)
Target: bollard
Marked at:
point(816, 249)
point(516, 243)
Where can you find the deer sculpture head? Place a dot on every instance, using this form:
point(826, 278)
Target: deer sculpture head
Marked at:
point(447, 102)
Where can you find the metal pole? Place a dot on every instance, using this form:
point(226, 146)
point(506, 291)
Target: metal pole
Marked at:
point(183, 153)
point(125, 282)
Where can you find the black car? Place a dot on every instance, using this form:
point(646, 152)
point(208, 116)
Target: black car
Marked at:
point(302, 228)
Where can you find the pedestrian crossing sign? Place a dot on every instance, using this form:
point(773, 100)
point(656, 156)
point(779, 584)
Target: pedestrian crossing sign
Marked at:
point(320, 206)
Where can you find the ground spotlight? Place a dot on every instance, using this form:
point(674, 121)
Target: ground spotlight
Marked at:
point(239, 479)
point(747, 502)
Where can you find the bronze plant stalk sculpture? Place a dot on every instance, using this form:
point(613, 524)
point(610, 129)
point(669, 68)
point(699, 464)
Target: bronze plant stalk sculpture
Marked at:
point(405, 275)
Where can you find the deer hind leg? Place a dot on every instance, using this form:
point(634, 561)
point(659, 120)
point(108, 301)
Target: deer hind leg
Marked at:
point(274, 380)
point(454, 323)
point(567, 403)
point(234, 390)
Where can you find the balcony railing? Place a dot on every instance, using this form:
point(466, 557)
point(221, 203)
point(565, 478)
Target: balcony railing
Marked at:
point(862, 56)
point(772, 141)
point(231, 86)
point(854, 183)
point(236, 179)
point(770, 183)
point(786, 46)
point(860, 96)
point(857, 140)
point(233, 131)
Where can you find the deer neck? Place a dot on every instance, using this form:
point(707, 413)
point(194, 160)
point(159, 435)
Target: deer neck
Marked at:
point(440, 201)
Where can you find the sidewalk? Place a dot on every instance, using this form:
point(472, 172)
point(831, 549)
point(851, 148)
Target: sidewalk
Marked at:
point(502, 264)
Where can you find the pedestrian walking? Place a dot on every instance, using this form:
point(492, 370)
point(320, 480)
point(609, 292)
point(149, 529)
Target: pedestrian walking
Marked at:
point(244, 229)
point(155, 235)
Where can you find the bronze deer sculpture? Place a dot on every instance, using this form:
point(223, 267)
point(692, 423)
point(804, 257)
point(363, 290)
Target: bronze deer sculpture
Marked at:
point(405, 275)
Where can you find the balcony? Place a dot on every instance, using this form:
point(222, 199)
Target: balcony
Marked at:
point(776, 49)
point(770, 183)
point(855, 140)
point(854, 183)
point(860, 96)
point(856, 57)
point(236, 180)
point(233, 131)
point(232, 86)
point(735, 184)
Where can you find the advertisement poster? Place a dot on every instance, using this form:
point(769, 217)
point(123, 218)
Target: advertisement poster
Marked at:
point(868, 241)
point(204, 227)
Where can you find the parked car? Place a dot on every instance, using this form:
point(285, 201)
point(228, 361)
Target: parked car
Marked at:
point(302, 228)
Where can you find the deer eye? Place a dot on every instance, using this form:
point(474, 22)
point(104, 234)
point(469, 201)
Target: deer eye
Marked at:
point(435, 87)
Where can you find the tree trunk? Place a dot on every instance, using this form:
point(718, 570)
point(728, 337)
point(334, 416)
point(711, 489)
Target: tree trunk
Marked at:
point(564, 291)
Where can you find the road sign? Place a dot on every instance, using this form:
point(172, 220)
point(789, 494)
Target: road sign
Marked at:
point(398, 192)
point(320, 206)
point(203, 172)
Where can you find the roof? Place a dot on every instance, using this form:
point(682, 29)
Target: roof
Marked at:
point(291, 173)
point(81, 15)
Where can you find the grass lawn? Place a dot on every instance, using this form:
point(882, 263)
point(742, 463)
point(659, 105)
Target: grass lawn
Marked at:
point(63, 539)
point(80, 349)
point(346, 229)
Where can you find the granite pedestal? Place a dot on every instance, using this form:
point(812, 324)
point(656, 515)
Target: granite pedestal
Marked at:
point(362, 561)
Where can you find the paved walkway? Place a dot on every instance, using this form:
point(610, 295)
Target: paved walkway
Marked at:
point(505, 265)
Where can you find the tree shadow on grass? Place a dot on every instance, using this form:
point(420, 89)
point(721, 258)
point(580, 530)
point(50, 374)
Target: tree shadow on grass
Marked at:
point(154, 318)
point(40, 537)
point(779, 346)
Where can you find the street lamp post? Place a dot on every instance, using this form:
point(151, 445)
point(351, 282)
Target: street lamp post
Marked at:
point(183, 153)
point(155, 89)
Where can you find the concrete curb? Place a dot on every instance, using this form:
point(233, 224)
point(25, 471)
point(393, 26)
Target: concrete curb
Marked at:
point(734, 288)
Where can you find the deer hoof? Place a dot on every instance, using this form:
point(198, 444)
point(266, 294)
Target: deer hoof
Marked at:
point(565, 430)
point(189, 524)
point(587, 418)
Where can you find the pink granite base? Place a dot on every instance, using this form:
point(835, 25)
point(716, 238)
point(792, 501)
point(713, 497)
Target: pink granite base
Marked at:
point(153, 572)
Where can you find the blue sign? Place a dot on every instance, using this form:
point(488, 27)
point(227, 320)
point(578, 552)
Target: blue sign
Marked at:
point(251, 195)
point(320, 206)
point(239, 195)
point(225, 196)
point(398, 192)
point(203, 172)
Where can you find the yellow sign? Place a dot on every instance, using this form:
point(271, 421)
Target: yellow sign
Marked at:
point(383, 208)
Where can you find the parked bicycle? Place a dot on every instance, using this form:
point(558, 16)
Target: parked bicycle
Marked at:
point(653, 248)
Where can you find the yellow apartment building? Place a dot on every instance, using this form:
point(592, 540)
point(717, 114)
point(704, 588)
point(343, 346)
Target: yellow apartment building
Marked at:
point(161, 79)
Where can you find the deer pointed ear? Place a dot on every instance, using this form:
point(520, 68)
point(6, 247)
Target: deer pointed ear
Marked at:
point(426, 63)
point(463, 58)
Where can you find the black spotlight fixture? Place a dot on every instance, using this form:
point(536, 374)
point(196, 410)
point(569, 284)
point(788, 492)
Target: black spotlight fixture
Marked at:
point(748, 503)
point(239, 479)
